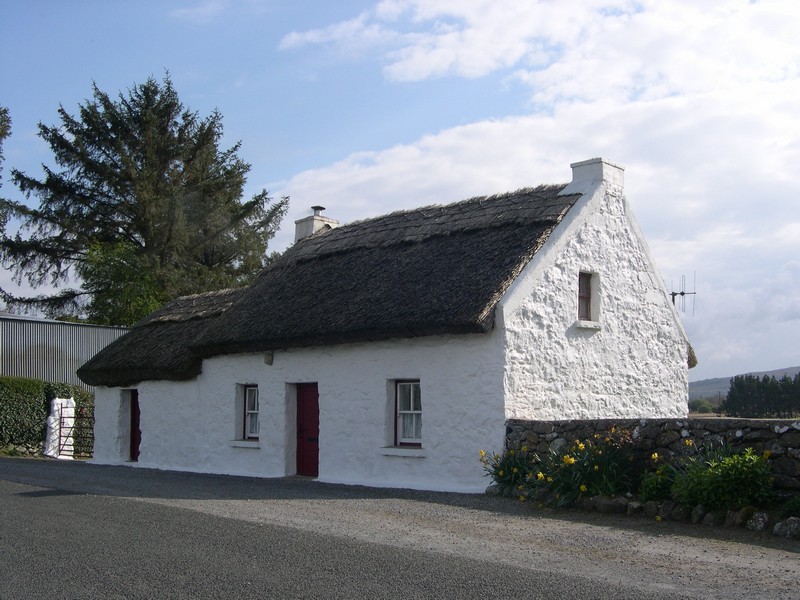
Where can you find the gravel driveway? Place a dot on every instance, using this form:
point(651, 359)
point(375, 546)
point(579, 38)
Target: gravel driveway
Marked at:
point(656, 556)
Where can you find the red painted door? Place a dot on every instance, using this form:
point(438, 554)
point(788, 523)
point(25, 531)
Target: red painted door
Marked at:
point(136, 433)
point(307, 429)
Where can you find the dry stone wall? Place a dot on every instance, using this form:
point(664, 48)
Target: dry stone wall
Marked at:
point(667, 437)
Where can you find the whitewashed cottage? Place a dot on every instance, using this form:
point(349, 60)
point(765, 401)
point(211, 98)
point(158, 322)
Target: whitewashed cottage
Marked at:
point(389, 351)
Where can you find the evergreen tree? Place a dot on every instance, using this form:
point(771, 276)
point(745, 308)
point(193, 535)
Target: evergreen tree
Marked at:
point(751, 396)
point(144, 206)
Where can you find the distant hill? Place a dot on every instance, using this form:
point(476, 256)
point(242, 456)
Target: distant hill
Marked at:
point(719, 386)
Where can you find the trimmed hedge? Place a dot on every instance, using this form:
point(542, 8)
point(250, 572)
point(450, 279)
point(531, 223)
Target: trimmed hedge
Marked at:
point(24, 407)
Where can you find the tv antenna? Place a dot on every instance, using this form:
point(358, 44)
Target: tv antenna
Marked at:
point(679, 297)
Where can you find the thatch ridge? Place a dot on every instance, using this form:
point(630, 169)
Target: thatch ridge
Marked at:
point(541, 204)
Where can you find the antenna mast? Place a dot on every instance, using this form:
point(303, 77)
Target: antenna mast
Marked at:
point(681, 295)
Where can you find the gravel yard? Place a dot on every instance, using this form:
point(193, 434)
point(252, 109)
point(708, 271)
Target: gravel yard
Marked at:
point(687, 560)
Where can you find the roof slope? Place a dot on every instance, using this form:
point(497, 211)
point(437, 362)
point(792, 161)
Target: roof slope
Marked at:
point(430, 271)
point(158, 346)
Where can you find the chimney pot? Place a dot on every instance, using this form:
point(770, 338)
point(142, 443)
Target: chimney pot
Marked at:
point(310, 225)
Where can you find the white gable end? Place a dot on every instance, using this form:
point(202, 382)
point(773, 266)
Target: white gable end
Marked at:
point(629, 359)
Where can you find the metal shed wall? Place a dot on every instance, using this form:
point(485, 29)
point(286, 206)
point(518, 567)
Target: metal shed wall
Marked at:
point(50, 350)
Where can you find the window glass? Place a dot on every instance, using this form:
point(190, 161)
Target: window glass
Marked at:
point(409, 413)
point(585, 296)
point(251, 412)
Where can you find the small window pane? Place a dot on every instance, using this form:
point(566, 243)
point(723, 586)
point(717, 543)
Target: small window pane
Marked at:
point(404, 391)
point(417, 427)
point(408, 426)
point(252, 428)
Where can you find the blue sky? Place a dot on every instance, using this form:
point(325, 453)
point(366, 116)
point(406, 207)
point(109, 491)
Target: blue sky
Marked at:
point(371, 106)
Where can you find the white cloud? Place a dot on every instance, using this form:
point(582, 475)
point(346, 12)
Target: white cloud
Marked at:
point(698, 102)
point(203, 12)
point(209, 11)
point(353, 35)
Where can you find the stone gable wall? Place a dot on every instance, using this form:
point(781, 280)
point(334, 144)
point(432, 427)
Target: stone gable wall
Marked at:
point(666, 437)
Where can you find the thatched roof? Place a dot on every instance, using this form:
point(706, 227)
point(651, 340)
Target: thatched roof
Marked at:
point(158, 346)
point(430, 271)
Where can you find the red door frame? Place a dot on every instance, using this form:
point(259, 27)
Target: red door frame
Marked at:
point(136, 433)
point(307, 429)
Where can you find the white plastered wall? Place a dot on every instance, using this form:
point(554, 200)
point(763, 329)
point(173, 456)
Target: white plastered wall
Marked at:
point(630, 362)
point(190, 426)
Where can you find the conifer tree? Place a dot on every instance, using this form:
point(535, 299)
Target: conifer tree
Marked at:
point(143, 206)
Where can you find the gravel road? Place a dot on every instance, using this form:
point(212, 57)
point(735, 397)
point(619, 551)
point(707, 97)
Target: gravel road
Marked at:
point(655, 557)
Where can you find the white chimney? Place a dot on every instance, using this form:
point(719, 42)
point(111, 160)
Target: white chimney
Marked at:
point(310, 225)
point(588, 173)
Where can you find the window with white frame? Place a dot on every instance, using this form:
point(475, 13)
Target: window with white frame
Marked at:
point(408, 412)
point(250, 415)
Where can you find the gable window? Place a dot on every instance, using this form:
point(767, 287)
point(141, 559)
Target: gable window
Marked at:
point(250, 416)
point(408, 413)
point(585, 296)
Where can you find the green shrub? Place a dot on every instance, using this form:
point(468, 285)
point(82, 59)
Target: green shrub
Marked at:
point(657, 485)
point(791, 508)
point(701, 406)
point(25, 405)
point(722, 480)
point(602, 465)
point(508, 470)
point(23, 411)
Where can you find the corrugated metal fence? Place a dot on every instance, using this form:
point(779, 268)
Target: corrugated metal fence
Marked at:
point(50, 350)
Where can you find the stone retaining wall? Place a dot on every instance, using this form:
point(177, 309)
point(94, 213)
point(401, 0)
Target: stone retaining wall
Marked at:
point(666, 437)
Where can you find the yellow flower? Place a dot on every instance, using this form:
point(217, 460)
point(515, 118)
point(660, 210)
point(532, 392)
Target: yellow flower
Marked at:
point(511, 453)
point(581, 446)
point(524, 448)
point(688, 442)
point(654, 456)
point(515, 470)
point(500, 473)
point(658, 517)
point(540, 476)
point(583, 489)
point(522, 498)
point(483, 454)
point(568, 460)
point(520, 487)
point(597, 467)
point(550, 480)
